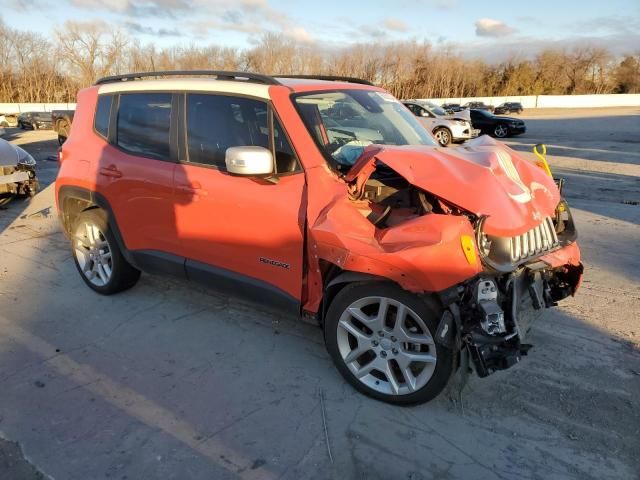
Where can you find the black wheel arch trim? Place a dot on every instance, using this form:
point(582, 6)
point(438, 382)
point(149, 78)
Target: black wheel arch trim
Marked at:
point(334, 285)
point(94, 199)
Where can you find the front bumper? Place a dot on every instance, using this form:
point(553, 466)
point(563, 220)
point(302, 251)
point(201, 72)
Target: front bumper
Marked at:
point(517, 130)
point(463, 132)
point(18, 180)
point(493, 327)
point(15, 177)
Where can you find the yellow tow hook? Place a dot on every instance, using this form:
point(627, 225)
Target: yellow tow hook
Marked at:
point(542, 161)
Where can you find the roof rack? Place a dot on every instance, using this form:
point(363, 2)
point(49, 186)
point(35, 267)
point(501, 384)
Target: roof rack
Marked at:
point(224, 75)
point(219, 74)
point(331, 78)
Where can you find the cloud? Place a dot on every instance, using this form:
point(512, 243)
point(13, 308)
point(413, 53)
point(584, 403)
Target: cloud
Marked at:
point(144, 30)
point(117, 5)
point(607, 25)
point(494, 51)
point(487, 27)
point(24, 5)
point(203, 17)
point(395, 24)
point(371, 31)
point(299, 34)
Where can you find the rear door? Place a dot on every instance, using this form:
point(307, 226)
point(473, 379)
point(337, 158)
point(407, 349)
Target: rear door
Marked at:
point(245, 231)
point(135, 171)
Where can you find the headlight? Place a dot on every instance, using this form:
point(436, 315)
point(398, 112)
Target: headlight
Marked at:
point(460, 122)
point(563, 222)
point(24, 158)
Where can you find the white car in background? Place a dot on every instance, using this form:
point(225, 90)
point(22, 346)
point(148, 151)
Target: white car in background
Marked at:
point(8, 120)
point(446, 128)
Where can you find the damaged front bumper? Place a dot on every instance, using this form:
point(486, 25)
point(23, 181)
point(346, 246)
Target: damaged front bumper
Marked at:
point(19, 180)
point(490, 315)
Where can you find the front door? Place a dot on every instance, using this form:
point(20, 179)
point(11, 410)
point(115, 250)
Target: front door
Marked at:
point(246, 232)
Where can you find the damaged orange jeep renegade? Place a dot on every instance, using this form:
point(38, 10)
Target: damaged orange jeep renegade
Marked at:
point(325, 196)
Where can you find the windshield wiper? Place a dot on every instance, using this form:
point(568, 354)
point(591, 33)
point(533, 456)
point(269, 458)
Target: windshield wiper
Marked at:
point(344, 132)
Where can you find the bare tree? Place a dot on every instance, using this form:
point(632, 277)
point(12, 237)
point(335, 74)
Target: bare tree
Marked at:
point(90, 49)
point(34, 69)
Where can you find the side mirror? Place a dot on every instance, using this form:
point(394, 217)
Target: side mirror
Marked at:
point(249, 161)
point(424, 113)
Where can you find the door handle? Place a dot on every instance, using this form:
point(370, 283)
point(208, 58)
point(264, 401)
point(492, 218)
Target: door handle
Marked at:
point(110, 171)
point(193, 189)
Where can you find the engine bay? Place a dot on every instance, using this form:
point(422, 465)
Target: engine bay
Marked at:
point(388, 199)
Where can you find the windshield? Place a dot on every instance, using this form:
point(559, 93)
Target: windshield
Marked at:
point(344, 122)
point(435, 109)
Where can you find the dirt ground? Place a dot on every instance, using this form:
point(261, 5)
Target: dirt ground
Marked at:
point(170, 381)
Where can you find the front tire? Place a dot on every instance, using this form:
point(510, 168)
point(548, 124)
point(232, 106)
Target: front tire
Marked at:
point(381, 339)
point(98, 257)
point(63, 128)
point(443, 136)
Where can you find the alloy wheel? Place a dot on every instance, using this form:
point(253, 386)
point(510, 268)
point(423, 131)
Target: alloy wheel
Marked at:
point(501, 131)
point(386, 345)
point(93, 253)
point(443, 137)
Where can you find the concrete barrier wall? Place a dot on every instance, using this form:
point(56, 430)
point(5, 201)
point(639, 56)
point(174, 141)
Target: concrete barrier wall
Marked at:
point(554, 101)
point(34, 107)
point(527, 101)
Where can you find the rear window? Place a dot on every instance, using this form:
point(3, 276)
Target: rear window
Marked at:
point(103, 111)
point(144, 123)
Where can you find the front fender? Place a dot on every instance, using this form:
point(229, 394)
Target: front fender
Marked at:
point(423, 254)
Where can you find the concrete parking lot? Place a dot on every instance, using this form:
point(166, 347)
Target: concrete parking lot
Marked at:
point(172, 381)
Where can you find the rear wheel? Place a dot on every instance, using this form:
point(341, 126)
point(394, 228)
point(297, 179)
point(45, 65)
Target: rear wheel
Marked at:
point(443, 136)
point(98, 257)
point(501, 130)
point(381, 339)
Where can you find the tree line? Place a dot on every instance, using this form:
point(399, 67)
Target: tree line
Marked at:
point(34, 68)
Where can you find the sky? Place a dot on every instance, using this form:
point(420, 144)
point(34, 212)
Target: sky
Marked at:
point(487, 29)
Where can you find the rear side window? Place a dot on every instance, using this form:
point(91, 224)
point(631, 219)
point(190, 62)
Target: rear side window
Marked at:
point(103, 111)
point(144, 123)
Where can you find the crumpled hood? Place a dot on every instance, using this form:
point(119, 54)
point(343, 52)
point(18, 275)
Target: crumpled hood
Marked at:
point(484, 177)
point(8, 154)
point(463, 115)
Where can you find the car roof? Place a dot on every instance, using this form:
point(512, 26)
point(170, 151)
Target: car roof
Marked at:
point(188, 84)
point(312, 84)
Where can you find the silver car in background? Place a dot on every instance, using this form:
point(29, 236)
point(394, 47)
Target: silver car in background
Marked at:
point(446, 128)
point(17, 172)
